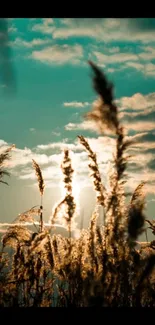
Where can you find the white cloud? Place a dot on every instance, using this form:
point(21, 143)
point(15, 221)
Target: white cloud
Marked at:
point(59, 145)
point(76, 104)
point(104, 146)
point(32, 129)
point(65, 33)
point(114, 58)
point(115, 49)
point(143, 146)
point(146, 176)
point(136, 65)
point(59, 54)
point(138, 101)
point(85, 125)
point(91, 126)
point(23, 157)
point(140, 106)
point(147, 69)
point(19, 42)
point(45, 27)
point(148, 54)
point(139, 61)
point(108, 30)
point(140, 125)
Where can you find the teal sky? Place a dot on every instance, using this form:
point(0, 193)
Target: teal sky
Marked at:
point(54, 90)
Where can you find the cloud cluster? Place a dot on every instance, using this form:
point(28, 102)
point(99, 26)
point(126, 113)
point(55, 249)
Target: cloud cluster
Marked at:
point(55, 42)
point(101, 29)
point(59, 54)
point(141, 167)
point(35, 42)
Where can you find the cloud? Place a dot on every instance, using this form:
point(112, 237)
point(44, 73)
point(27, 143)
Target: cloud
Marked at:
point(85, 125)
point(139, 126)
point(45, 27)
point(19, 42)
point(114, 58)
point(23, 157)
point(91, 126)
point(12, 29)
point(138, 101)
point(59, 145)
point(147, 69)
point(59, 54)
point(125, 58)
point(136, 112)
point(148, 53)
point(114, 49)
point(135, 65)
point(107, 30)
point(139, 60)
point(76, 104)
point(32, 129)
point(140, 168)
point(102, 30)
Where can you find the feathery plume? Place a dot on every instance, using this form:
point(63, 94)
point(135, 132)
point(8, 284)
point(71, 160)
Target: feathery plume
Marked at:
point(39, 177)
point(41, 189)
point(104, 113)
point(4, 156)
point(99, 188)
point(68, 202)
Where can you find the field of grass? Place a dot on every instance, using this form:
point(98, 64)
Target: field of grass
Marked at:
point(104, 266)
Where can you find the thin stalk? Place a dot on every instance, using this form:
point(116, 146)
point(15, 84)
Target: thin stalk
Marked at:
point(41, 214)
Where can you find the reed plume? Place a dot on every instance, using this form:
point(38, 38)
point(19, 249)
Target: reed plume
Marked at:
point(68, 201)
point(104, 112)
point(99, 188)
point(4, 156)
point(39, 177)
point(41, 189)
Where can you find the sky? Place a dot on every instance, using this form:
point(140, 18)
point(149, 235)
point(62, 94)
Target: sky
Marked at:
point(53, 92)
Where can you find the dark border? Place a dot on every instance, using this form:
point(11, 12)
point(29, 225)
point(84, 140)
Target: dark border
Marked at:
point(78, 9)
point(77, 314)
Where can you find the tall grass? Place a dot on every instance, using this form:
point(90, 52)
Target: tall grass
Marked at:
point(104, 266)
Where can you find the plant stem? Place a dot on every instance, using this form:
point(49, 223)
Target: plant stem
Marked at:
point(41, 215)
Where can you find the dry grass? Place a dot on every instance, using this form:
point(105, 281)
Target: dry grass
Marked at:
point(104, 266)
